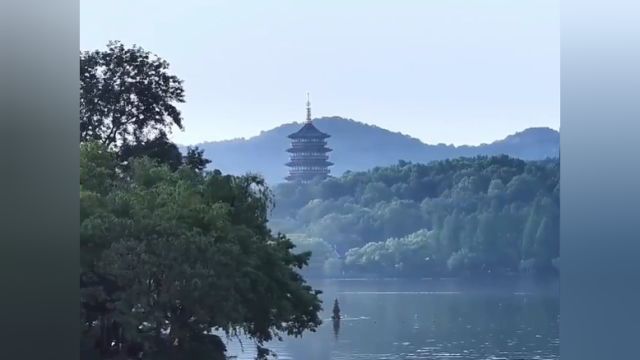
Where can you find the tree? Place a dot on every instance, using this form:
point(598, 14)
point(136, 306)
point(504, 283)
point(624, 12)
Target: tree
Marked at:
point(128, 103)
point(530, 229)
point(319, 249)
point(127, 96)
point(159, 148)
point(486, 214)
point(168, 255)
point(376, 192)
point(195, 159)
point(496, 187)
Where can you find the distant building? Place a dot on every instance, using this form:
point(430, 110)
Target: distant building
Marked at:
point(309, 159)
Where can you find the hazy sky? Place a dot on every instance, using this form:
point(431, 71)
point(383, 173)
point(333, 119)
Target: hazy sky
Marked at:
point(444, 71)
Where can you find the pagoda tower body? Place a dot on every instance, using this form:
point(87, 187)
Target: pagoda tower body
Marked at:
point(308, 159)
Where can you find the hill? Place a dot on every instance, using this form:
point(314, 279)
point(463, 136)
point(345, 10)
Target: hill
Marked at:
point(465, 216)
point(358, 146)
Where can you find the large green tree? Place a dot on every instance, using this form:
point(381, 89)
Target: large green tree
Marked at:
point(167, 256)
point(129, 103)
point(171, 255)
point(127, 95)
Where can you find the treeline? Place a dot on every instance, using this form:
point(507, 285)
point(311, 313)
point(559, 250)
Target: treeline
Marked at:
point(466, 216)
point(171, 256)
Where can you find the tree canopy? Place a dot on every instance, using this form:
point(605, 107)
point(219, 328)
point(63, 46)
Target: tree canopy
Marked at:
point(128, 103)
point(127, 95)
point(452, 217)
point(172, 256)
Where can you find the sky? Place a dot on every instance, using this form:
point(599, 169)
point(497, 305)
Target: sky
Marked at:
point(443, 71)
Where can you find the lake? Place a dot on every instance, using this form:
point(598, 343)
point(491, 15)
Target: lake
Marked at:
point(397, 319)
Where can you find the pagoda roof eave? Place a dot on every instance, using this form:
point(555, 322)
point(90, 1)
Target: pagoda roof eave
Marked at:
point(313, 163)
point(296, 135)
point(321, 150)
point(308, 130)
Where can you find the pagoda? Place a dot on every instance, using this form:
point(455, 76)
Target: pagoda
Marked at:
point(309, 159)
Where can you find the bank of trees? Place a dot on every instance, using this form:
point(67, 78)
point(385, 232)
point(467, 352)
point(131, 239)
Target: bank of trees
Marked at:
point(171, 254)
point(463, 216)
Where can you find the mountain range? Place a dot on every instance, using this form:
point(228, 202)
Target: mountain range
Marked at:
point(358, 146)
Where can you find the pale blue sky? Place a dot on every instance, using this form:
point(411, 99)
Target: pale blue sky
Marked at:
point(444, 71)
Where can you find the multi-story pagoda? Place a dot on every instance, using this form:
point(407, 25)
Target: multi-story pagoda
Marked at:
point(309, 159)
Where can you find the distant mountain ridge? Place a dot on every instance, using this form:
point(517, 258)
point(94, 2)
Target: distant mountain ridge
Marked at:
point(358, 146)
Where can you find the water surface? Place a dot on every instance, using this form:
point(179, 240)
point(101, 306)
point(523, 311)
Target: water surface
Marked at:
point(428, 319)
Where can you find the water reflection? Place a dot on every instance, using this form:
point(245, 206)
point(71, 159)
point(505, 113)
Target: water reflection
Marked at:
point(335, 318)
point(336, 327)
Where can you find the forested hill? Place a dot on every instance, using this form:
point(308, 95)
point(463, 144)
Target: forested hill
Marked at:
point(450, 217)
point(358, 146)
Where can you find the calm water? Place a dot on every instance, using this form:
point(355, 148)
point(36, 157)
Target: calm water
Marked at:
point(428, 319)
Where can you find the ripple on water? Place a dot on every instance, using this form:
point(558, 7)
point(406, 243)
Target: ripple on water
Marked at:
point(347, 318)
point(400, 292)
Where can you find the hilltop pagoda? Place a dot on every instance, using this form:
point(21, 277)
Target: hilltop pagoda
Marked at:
point(309, 159)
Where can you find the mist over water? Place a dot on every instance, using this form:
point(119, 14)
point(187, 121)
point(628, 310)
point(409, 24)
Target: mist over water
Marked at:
point(396, 319)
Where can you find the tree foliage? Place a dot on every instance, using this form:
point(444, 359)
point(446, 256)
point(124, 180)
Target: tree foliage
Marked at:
point(169, 255)
point(127, 95)
point(172, 255)
point(195, 159)
point(128, 102)
point(452, 217)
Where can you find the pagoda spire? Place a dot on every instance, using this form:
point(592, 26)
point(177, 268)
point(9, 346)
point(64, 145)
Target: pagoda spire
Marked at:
point(308, 109)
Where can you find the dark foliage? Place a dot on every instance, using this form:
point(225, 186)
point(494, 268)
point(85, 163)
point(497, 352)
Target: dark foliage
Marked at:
point(127, 96)
point(195, 159)
point(168, 256)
